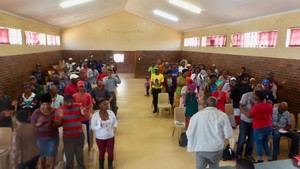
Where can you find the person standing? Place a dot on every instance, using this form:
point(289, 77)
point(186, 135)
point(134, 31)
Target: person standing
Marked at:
point(92, 74)
point(86, 101)
point(191, 102)
point(100, 92)
point(57, 100)
point(111, 82)
point(208, 142)
point(261, 114)
point(7, 108)
point(47, 132)
point(157, 80)
point(104, 123)
point(39, 74)
point(70, 115)
point(27, 100)
point(72, 87)
point(246, 127)
point(24, 150)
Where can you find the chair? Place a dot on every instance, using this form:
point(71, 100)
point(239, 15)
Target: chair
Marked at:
point(85, 147)
point(5, 144)
point(229, 109)
point(60, 150)
point(60, 165)
point(179, 120)
point(163, 103)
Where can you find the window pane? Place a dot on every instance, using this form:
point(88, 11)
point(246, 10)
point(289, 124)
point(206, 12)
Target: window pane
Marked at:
point(10, 36)
point(119, 58)
point(261, 39)
point(214, 40)
point(293, 37)
point(34, 38)
point(191, 42)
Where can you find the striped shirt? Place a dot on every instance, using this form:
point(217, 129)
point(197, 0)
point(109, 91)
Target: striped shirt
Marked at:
point(71, 121)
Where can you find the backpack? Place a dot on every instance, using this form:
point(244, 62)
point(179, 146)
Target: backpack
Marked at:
point(183, 140)
point(228, 153)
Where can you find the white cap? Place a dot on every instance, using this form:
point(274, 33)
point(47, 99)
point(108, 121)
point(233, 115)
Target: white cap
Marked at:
point(74, 76)
point(92, 56)
point(73, 63)
point(86, 60)
point(233, 78)
point(188, 65)
point(70, 58)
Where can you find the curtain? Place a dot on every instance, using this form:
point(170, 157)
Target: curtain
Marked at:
point(295, 38)
point(4, 36)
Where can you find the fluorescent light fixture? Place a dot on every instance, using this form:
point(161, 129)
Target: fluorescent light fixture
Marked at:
point(186, 6)
point(165, 15)
point(70, 3)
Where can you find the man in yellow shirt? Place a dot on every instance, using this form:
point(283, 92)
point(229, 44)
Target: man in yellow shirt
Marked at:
point(157, 80)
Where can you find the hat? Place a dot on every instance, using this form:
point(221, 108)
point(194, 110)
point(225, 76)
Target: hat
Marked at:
point(32, 77)
point(85, 60)
point(46, 98)
point(184, 70)
point(25, 85)
point(22, 116)
point(74, 76)
point(233, 78)
point(188, 65)
point(189, 81)
point(68, 97)
point(219, 82)
point(73, 63)
point(37, 65)
point(192, 86)
point(252, 79)
point(70, 58)
point(265, 82)
point(80, 83)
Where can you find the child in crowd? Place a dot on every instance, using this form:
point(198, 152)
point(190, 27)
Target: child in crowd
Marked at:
point(147, 85)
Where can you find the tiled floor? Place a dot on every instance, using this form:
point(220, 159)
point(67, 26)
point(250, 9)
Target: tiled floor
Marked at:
point(143, 141)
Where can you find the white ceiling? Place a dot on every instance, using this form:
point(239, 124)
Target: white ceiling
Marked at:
point(214, 11)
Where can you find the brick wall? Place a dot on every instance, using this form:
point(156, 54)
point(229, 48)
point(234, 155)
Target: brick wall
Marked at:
point(287, 69)
point(16, 69)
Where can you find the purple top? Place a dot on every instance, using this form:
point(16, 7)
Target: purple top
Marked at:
point(43, 132)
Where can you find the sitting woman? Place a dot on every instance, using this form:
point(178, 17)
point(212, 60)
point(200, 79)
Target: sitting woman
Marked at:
point(28, 100)
point(104, 124)
point(47, 132)
point(221, 96)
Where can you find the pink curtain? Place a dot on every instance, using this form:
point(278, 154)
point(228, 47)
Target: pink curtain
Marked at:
point(4, 36)
point(218, 40)
point(32, 38)
point(254, 39)
point(295, 38)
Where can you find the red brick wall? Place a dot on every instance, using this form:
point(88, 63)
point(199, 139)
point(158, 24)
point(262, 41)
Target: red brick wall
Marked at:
point(16, 69)
point(288, 69)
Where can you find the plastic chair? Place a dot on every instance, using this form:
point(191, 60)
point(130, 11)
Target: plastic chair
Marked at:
point(179, 120)
point(60, 149)
point(85, 147)
point(5, 144)
point(163, 103)
point(229, 109)
point(60, 165)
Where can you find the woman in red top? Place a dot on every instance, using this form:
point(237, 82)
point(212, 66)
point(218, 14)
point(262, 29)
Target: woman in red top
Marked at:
point(221, 96)
point(262, 124)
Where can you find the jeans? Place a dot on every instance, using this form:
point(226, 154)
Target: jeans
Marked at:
point(245, 130)
point(155, 93)
point(113, 103)
point(261, 137)
point(290, 134)
point(106, 145)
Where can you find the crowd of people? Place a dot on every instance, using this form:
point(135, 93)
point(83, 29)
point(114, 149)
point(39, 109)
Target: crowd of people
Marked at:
point(66, 102)
point(253, 108)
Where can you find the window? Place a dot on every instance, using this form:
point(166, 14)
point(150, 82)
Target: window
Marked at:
point(191, 42)
point(53, 40)
point(34, 38)
point(119, 58)
point(261, 39)
point(215, 41)
point(293, 37)
point(10, 36)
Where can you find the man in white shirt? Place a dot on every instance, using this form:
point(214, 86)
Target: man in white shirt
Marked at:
point(206, 133)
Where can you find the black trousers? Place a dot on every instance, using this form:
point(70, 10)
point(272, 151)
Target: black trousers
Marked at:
point(155, 97)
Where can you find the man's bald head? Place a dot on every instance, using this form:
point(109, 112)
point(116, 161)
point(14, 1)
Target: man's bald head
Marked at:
point(211, 102)
point(53, 90)
point(283, 106)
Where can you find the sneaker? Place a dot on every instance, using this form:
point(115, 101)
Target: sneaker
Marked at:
point(274, 157)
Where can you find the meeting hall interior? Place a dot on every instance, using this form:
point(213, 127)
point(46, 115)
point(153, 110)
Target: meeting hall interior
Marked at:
point(127, 40)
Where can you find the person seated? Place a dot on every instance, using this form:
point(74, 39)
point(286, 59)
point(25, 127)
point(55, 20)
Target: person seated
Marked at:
point(27, 100)
point(39, 74)
point(281, 119)
point(24, 150)
point(51, 71)
point(35, 87)
point(244, 163)
point(268, 93)
point(7, 108)
point(60, 85)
